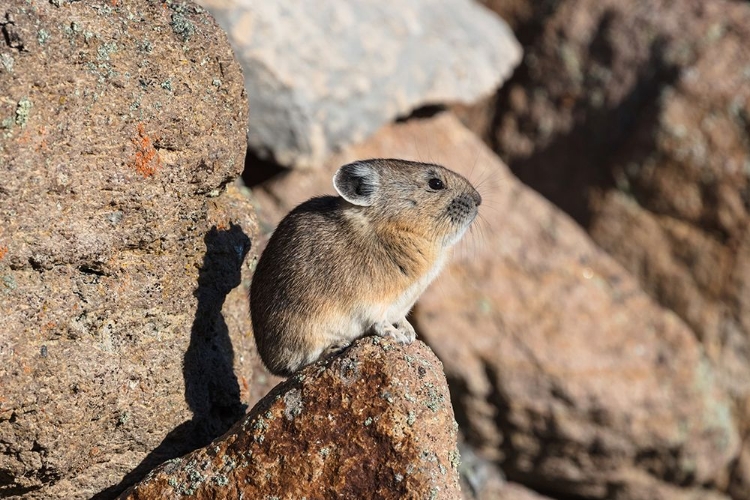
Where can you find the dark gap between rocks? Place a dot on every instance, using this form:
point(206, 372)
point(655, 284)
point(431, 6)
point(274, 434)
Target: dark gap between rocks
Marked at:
point(259, 170)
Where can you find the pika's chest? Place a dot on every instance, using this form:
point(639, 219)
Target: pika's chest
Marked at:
point(402, 301)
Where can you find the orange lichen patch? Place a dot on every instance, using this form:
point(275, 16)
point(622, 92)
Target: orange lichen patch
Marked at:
point(48, 327)
point(42, 132)
point(244, 388)
point(3, 251)
point(146, 161)
point(25, 137)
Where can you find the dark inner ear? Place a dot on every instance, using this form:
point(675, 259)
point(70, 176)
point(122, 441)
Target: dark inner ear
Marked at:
point(357, 183)
point(363, 188)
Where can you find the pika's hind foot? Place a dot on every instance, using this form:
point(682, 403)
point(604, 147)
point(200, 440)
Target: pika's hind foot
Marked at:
point(335, 349)
point(401, 331)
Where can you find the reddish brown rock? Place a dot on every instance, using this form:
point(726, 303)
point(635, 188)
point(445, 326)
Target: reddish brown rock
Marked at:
point(125, 337)
point(566, 373)
point(634, 117)
point(482, 480)
point(374, 422)
point(511, 491)
point(683, 200)
point(578, 380)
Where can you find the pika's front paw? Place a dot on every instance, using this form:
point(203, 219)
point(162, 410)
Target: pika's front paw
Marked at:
point(401, 332)
point(405, 327)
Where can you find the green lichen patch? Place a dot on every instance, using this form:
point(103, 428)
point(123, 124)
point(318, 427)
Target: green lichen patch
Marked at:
point(9, 282)
point(294, 404)
point(145, 46)
point(411, 418)
point(123, 418)
point(349, 370)
point(105, 50)
point(454, 457)
point(23, 109)
point(182, 26)
point(435, 398)
point(260, 426)
point(42, 36)
point(221, 480)
point(7, 61)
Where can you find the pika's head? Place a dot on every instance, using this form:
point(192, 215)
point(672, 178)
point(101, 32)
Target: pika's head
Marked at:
point(422, 198)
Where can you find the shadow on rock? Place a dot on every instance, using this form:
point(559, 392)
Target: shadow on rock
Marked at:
point(211, 388)
point(574, 163)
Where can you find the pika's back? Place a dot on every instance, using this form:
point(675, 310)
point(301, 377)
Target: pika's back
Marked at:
point(299, 253)
point(337, 268)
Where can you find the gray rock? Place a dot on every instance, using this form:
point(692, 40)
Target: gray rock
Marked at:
point(320, 75)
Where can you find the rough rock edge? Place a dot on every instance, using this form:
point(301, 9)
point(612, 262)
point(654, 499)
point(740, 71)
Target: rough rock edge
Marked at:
point(374, 422)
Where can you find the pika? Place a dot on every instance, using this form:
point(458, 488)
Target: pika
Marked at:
point(338, 268)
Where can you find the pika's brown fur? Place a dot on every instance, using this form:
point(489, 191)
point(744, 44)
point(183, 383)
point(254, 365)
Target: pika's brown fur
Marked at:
point(339, 268)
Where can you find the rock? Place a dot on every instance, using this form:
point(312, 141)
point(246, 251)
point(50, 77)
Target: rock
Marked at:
point(125, 337)
point(511, 491)
point(564, 373)
point(653, 136)
point(482, 480)
point(374, 422)
point(322, 75)
point(633, 117)
point(579, 381)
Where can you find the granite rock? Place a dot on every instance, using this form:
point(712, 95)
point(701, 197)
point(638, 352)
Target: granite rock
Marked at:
point(122, 242)
point(373, 422)
point(321, 75)
point(634, 118)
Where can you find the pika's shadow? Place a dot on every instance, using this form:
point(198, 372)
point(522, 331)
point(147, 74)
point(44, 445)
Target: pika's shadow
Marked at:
point(211, 388)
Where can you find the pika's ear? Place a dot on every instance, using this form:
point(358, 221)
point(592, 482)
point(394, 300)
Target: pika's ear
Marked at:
point(357, 183)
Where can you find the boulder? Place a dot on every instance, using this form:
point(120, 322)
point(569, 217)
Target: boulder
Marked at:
point(373, 422)
point(570, 378)
point(634, 118)
point(125, 336)
point(325, 74)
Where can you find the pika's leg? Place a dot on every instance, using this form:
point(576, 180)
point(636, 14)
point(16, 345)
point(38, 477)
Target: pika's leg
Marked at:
point(401, 332)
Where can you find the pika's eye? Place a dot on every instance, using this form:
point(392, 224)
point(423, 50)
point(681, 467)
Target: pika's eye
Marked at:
point(436, 184)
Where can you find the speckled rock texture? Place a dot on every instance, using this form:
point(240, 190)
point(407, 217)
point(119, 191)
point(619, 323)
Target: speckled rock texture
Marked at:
point(563, 371)
point(374, 422)
point(321, 75)
point(635, 118)
point(124, 336)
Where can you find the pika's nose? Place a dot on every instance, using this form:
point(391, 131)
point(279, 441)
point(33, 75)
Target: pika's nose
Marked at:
point(477, 198)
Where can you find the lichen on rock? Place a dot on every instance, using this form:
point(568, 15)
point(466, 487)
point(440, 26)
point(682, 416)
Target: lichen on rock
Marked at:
point(329, 432)
point(122, 243)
